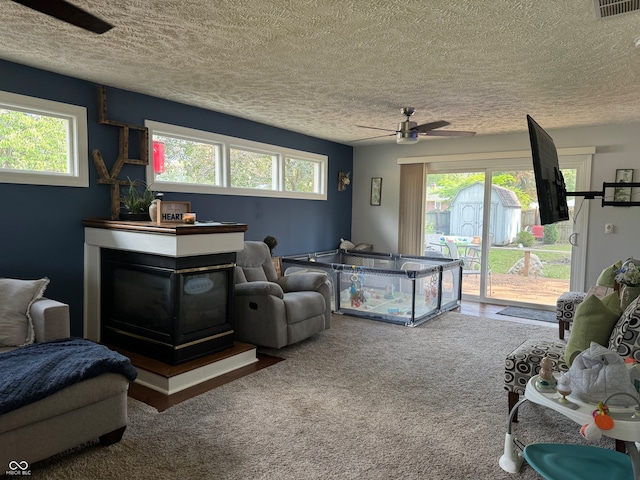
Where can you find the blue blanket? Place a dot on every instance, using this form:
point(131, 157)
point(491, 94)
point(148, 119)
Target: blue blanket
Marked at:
point(31, 373)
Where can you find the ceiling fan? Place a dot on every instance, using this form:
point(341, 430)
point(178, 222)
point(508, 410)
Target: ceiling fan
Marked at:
point(65, 11)
point(408, 131)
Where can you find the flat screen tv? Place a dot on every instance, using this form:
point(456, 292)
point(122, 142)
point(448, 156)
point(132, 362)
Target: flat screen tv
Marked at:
point(550, 186)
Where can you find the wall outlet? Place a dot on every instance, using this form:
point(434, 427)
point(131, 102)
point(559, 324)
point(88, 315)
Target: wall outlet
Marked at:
point(608, 228)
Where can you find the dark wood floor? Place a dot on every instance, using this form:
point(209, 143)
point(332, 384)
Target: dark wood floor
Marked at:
point(491, 311)
point(479, 309)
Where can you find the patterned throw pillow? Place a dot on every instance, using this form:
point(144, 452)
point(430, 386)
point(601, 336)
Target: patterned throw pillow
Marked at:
point(625, 337)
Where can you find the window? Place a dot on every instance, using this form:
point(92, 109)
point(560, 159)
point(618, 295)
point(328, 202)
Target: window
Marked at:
point(251, 169)
point(195, 161)
point(42, 142)
point(181, 160)
point(302, 175)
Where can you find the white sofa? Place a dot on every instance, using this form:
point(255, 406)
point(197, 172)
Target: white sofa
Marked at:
point(94, 408)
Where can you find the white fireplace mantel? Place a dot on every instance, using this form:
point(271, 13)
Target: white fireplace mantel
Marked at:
point(168, 240)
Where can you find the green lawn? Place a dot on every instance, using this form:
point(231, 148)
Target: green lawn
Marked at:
point(556, 259)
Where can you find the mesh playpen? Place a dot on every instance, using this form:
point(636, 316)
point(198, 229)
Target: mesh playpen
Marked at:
point(401, 289)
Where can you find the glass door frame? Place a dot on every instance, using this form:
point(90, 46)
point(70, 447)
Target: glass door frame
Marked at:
point(579, 158)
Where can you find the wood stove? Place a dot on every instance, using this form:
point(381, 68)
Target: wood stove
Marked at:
point(172, 309)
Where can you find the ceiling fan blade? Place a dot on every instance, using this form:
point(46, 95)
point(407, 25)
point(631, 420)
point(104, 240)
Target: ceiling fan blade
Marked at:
point(426, 127)
point(448, 133)
point(65, 11)
point(376, 128)
point(371, 138)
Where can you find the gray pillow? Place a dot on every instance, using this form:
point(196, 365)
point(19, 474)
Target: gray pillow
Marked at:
point(16, 298)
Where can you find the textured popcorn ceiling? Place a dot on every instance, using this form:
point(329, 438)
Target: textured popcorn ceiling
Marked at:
point(321, 67)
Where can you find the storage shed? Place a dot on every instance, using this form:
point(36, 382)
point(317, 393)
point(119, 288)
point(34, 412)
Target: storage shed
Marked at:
point(467, 210)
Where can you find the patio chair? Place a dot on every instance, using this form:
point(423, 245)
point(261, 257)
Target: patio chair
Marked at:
point(472, 259)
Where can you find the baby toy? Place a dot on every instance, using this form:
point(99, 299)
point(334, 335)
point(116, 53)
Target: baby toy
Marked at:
point(601, 421)
point(390, 291)
point(356, 291)
point(431, 289)
point(546, 380)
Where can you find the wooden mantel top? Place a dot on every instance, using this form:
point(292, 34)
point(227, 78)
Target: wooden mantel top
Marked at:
point(165, 228)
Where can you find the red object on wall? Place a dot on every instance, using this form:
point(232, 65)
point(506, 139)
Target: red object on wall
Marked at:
point(158, 157)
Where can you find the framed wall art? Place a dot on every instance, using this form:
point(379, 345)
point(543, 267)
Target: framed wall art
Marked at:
point(623, 194)
point(173, 212)
point(376, 191)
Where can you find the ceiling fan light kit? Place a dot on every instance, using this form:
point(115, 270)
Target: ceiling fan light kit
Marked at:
point(407, 131)
point(407, 137)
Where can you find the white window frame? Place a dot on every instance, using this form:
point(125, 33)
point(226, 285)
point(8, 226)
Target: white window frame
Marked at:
point(319, 175)
point(259, 149)
point(78, 150)
point(224, 170)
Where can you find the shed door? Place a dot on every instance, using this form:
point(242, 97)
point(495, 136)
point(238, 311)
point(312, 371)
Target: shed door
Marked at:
point(471, 219)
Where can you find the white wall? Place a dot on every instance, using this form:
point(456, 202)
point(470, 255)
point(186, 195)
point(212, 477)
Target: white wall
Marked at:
point(616, 147)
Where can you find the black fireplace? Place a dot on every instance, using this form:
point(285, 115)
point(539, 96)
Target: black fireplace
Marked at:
point(166, 308)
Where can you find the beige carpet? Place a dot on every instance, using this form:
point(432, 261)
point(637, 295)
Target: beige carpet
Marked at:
point(364, 400)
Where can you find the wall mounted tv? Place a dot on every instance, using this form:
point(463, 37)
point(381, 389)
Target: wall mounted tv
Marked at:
point(550, 186)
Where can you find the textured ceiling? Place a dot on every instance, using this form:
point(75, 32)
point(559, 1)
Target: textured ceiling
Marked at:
point(321, 67)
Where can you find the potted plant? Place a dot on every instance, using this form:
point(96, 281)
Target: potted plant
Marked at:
point(271, 242)
point(137, 199)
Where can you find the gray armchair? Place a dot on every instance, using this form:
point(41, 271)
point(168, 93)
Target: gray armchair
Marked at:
point(275, 312)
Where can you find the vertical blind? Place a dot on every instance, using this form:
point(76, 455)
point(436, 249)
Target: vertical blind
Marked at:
point(413, 178)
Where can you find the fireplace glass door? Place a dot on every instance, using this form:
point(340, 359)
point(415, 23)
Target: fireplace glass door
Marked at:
point(166, 307)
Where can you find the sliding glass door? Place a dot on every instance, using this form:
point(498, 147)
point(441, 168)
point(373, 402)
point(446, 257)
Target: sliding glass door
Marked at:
point(454, 221)
point(489, 219)
point(527, 263)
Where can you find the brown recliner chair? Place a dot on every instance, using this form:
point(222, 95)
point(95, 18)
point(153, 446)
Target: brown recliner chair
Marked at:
point(275, 312)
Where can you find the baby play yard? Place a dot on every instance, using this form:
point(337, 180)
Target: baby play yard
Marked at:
point(406, 290)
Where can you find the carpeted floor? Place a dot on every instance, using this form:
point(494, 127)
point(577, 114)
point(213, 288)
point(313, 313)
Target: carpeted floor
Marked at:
point(530, 313)
point(363, 400)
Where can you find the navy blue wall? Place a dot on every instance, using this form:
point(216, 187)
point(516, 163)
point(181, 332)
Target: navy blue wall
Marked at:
point(43, 234)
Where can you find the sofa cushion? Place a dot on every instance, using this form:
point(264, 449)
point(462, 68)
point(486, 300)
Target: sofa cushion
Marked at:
point(627, 295)
point(16, 298)
point(625, 337)
point(608, 275)
point(593, 322)
point(78, 395)
point(303, 305)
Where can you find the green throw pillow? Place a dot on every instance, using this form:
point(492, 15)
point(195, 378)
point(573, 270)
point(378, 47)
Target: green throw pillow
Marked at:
point(607, 277)
point(593, 321)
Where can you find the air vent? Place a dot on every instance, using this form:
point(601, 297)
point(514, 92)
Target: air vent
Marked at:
point(610, 8)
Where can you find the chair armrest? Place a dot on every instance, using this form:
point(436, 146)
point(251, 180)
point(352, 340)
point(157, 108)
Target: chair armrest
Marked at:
point(258, 288)
point(303, 281)
point(50, 320)
point(311, 281)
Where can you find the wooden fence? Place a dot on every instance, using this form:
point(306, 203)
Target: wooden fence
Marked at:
point(440, 222)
